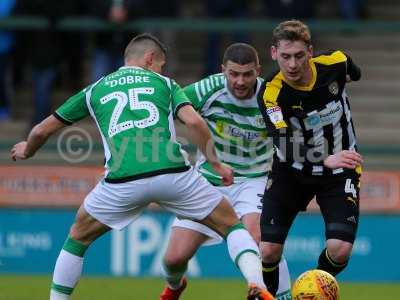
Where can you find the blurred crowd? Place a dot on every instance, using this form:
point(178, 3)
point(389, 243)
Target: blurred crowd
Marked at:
point(41, 59)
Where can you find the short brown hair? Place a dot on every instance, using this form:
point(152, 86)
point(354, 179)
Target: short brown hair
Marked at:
point(143, 42)
point(241, 53)
point(293, 30)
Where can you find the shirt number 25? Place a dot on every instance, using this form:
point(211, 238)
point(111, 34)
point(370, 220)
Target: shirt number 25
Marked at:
point(134, 104)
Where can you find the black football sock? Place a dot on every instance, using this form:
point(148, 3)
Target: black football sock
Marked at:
point(271, 276)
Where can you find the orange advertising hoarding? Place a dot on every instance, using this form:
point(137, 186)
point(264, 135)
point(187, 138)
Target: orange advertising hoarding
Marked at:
point(380, 192)
point(49, 186)
point(46, 185)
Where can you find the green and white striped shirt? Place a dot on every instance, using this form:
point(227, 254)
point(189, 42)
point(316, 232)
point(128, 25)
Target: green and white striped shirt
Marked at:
point(237, 128)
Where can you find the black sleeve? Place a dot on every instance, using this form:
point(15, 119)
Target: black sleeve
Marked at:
point(353, 70)
point(291, 147)
point(61, 119)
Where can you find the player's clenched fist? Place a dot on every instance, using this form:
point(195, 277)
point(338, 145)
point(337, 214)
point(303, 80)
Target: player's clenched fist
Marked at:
point(225, 172)
point(18, 151)
point(343, 159)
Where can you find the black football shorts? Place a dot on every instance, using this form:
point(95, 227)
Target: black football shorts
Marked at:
point(288, 192)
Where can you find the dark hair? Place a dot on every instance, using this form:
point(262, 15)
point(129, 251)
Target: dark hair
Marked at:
point(293, 30)
point(241, 54)
point(142, 42)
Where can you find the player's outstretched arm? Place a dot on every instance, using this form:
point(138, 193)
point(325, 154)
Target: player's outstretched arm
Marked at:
point(200, 135)
point(36, 138)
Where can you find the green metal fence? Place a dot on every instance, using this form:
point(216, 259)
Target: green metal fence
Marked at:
point(190, 24)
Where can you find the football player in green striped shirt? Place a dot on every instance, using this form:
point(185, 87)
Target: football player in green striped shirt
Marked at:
point(228, 103)
point(133, 109)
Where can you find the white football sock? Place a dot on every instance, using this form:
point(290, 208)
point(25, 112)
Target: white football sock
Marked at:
point(244, 252)
point(284, 281)
point(67, 272)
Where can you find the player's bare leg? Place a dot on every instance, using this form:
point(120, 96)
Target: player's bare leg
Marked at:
point(183, 244)
point(252, 223)
point(69, 263)
point(339, 250)
point(335, 256)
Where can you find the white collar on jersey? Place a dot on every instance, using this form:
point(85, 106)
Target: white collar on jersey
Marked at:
point(130, 67)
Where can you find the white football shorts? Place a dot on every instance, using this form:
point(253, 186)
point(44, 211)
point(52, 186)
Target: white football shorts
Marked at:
point(245, 198)
point(187, 194)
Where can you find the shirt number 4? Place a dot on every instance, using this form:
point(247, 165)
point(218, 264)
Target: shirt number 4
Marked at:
point(349, 188)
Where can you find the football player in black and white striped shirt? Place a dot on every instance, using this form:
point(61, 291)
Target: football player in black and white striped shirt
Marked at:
point(306, 110)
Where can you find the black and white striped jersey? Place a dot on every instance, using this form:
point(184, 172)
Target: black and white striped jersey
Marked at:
point(308, 123)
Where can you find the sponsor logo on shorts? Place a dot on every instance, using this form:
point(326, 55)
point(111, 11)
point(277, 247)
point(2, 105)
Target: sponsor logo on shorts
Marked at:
point(269, 184)
point(352, 200)
point(261, 196)
point(352, 219)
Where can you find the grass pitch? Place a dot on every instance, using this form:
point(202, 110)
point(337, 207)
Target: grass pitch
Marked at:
point(104, 288)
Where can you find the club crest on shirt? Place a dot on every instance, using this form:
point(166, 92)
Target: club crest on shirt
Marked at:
point(260, 121)
point(334, 88)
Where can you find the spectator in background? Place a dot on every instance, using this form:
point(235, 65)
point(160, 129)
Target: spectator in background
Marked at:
point(109, 46)
point(44, 49)
point(6, 47)
point(237, 9)
point(165, 9)
point(300, 9)
point(351, 9)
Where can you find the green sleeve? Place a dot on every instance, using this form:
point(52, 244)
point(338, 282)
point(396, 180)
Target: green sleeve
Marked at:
point(201, 91)
point(191, 93)
point(74, 109)
point(179, 97)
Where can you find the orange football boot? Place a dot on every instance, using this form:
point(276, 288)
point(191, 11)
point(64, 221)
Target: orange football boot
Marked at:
point(170, 294)
point(257, 293)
